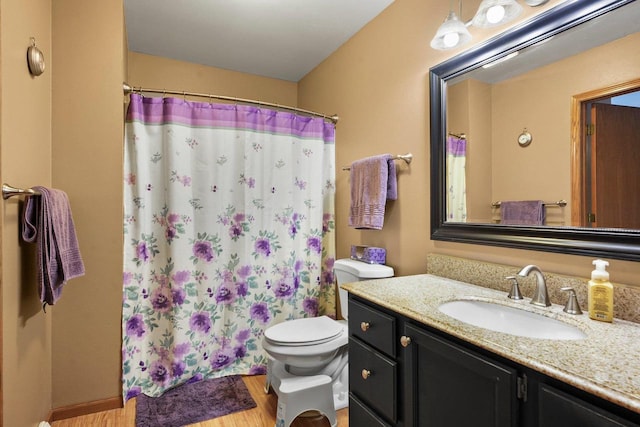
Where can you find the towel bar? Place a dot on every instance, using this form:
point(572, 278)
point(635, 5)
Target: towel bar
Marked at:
point(561, 203)
point(406, 157)
point(9, 191)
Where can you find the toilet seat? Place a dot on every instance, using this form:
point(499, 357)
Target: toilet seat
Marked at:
point(304, 332)
point(308, 353)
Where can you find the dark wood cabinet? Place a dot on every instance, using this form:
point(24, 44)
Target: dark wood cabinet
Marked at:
point(373, 379)
point(373, 369)
point(556, 408)
point(407, 374)
point(360, 414)
point(452, 386)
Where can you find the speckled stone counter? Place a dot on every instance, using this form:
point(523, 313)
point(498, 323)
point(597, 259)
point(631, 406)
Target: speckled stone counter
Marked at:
point(605, 363)
point(626, 299)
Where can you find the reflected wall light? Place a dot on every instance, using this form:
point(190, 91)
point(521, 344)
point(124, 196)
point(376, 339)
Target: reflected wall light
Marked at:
point(452, 33)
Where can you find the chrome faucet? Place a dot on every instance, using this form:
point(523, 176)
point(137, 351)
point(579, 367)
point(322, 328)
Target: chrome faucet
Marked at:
point(540, 296)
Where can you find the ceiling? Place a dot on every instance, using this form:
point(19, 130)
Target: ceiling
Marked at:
point(282, 39)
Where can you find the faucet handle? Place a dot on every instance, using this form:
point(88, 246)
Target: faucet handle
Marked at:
point(572, 306)
point(515, 289)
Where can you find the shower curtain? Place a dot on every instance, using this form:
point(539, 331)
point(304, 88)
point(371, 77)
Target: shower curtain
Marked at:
point(228, 228)
point(456, 182)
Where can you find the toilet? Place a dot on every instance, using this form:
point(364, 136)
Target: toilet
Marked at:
point(308, 357)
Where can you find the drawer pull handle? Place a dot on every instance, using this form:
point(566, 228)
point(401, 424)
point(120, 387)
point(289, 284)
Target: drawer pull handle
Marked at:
point(364, 326)
point(365, 374)
point(405, 341)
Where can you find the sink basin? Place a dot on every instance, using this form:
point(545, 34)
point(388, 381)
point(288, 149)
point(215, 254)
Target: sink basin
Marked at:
point(510, 320)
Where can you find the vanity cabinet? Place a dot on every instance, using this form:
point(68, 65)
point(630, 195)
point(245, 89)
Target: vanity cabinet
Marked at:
point(373, 368)
point(453, 386)
point(556, 408)
point(407, 374)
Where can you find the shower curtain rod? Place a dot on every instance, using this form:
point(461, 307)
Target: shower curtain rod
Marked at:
point(130, 89)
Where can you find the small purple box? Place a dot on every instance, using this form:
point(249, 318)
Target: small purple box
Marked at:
point(369, 254)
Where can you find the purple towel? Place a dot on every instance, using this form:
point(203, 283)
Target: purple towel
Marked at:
point(373, 182)
point(525, 212)
point(47, 221)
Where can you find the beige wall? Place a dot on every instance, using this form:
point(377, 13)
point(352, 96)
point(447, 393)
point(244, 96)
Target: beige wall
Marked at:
point(378, 83)
point(25, 161)
point(87, 164)
point(162, 73)
point(65, 129)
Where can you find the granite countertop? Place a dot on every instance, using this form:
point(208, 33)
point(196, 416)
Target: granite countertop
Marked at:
point(605, 363)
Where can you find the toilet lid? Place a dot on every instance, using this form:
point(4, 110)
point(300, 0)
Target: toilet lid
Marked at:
point(307, 331)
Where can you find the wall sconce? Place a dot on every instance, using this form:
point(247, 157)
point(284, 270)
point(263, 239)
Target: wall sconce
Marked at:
point(35, 59)
point(492, 13)
point(451, 33)
point(454, 33)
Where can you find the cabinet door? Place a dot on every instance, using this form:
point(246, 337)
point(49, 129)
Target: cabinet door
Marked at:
point(559, 409)
point(449, 386)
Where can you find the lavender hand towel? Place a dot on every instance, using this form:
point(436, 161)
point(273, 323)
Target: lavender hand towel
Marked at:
point(524, 212)
point(47, 220)
point(373, 182)
point(392, 180)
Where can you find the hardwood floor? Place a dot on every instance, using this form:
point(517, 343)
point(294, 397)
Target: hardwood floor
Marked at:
point(262, 416)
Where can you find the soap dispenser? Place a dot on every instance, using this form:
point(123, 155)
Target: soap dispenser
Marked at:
point(600, 290)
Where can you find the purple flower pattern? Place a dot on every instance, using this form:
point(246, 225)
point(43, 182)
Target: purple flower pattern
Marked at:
point(202, 282)
point(205, 248)
point(237, 223)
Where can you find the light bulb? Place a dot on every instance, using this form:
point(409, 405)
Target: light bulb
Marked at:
point(451, 39)
point(495, 14)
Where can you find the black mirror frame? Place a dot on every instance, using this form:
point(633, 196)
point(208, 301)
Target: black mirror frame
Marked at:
point(611, 243)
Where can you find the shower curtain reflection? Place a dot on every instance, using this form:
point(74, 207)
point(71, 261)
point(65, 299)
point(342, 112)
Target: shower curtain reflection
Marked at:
point(456, 181)
point(228, 222)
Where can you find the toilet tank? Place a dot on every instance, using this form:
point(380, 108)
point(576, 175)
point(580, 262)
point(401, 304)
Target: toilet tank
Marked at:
point(349, 270)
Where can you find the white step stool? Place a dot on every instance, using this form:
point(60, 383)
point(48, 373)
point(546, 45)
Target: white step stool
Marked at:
point(299, 394)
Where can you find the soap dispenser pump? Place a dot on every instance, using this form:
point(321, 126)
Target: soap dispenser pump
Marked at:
point(600, 292)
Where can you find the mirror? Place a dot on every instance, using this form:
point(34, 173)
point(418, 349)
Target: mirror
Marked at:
point(495, 106)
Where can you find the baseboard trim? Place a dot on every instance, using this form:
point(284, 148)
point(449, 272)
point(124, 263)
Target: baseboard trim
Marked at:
point(87, 408)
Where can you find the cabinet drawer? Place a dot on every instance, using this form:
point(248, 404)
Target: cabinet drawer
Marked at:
point(360, 415)
point(373, 327)
point(372, 378)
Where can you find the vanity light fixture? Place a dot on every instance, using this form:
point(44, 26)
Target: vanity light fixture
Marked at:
point(452, 33)
point(492, 13)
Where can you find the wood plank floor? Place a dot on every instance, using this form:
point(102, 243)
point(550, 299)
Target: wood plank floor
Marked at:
point(264, 415)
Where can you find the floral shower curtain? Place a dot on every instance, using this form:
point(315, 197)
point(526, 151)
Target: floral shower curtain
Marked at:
point(228, 226)
point(456, 181)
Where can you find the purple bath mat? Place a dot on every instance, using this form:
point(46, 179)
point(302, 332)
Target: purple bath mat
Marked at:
point(194, 402)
